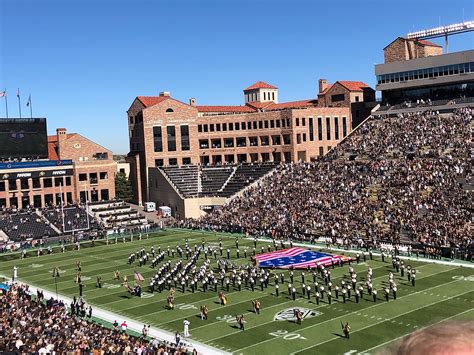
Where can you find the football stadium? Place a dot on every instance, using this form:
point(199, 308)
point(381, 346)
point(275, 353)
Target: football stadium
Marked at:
point(340, 224)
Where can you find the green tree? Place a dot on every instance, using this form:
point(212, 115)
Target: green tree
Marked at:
point(123, 187)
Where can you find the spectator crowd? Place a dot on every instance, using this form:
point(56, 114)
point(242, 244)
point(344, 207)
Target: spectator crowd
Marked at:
point(404, 179)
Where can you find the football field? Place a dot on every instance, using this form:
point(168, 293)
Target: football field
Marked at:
point(441, 292)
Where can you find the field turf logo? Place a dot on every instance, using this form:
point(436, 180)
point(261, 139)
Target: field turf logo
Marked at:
point(289, 314)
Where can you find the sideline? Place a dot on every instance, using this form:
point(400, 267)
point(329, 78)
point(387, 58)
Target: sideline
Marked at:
point(132, 324)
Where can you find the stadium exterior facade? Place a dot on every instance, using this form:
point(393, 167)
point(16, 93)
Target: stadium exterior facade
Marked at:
point(76, 167)
point(166, 132)
point(417, 70)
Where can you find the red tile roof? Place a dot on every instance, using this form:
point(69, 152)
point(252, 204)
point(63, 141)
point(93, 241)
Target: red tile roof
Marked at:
point(353, 85)
point(225, 109)
point(148, 101)
point(52, 153)
point(260, 85)
point(428, 43)
point(260, 105)
point(293, 104)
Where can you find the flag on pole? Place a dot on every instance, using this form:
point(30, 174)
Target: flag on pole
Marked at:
point(3, 93)
point(139, 277)
point(18, 93)
point(28, 103)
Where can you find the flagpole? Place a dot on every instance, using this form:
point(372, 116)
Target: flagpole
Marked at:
point(19, 102)
point(31, 106)
point(6, 102)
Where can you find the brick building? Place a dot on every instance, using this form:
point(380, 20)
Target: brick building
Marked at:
point(164, 131)
point(405, 49)
point(76, 167)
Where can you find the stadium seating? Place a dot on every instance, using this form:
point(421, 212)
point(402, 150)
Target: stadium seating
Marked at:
point(115, 214)
point(225, 181)
point(75, 218)
point(23, 226)
point(404, 179)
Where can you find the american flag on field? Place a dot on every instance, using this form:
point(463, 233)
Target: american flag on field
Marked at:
point(297, 258)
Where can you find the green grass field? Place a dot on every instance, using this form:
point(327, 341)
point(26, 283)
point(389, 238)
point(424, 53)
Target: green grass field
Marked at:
point(441, 292)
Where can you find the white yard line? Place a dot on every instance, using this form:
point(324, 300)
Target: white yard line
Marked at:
point(418, 330)
point(382, 321)
point(344, 315)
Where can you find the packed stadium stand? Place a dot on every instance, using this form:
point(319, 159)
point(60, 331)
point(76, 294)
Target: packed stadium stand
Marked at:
point(404, 179)
point(225, 181)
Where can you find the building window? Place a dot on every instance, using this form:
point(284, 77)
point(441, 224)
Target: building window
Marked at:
point(297, 121)
point(228, 142)
point(260, 124)
point(276, 140)
point(264, 95)
point(186, 161)
point(328, 128)
point(336, 127)
point(254, 124)
point(298, 138)
point(311, 129)
point(224, 127)
point(216, 143)
point(48, 182)
point(103, 175)
point(211, 127)
point(2, 187)
point(337, 97)
point(168, 110)
point(82, 177)
point(206, 128)
point(200, 128)
point(283, 122)
point(320, 129)
point(203, 143)
point(344, 127)
point(231, 126)
point(272, 124)
point(241, 142)
point(173, 161)
point(218, 127)
point(249, 125)
point(104, 195)
point(58, 181)
point(184, 137)
point(37, 184)
point(278, 123)
point(24, 184)
point(303, 121)
point(157, 139)
point(357, 98)
point(286, 139)
point(253, 141)
point(159, 162)
point(171, 135)
point(266, 124)
point(264, 140)
point(321, 151)
point(304, 137)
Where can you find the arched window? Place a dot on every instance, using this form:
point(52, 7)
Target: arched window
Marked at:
point(169, 110)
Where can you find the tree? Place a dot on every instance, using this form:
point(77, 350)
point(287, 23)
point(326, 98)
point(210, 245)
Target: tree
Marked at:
point(123, 187)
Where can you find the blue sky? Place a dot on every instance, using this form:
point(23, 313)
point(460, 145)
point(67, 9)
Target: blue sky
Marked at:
point(83, 62)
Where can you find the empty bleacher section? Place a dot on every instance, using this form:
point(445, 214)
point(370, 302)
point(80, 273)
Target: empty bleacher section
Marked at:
point(25, 226)
point(213, 178)
point(75, 219)
point(116, 214)
point(223, 181)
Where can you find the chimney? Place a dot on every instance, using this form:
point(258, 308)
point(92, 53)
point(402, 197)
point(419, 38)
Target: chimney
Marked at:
point(61, 135)
point(323, 84)
point(165, 93)
point(192, 101)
